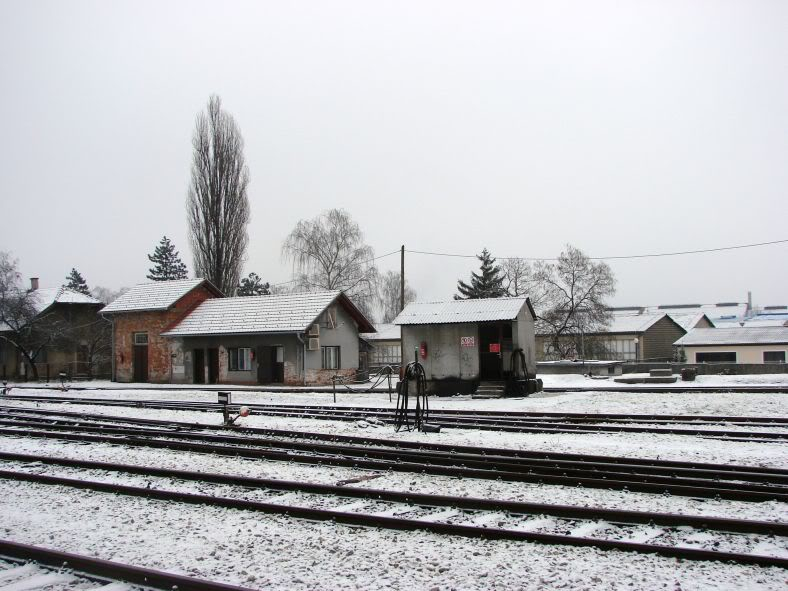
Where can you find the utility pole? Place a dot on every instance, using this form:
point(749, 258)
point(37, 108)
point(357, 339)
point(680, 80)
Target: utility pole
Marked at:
point(402, 279)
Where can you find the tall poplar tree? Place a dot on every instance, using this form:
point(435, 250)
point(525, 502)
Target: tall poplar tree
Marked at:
point(167, 263)
point(488, 284)
point(217, 204)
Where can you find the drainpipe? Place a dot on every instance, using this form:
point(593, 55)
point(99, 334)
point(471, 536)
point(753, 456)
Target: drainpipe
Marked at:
point(303, 357)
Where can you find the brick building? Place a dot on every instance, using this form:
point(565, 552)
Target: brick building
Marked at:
point(187, 332)
point(140, 316)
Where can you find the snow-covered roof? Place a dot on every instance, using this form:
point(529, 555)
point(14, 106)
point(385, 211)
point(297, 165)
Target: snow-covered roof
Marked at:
point(689, 321)
point(156, 295)
point(45, 297)
point(460, 311)
point(385, 332)
point(772, 335)
point(292, 312)
point(758, 321)
point(632, 323)
point(722, 312)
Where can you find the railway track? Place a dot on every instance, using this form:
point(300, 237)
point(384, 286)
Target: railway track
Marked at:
point(24, 567)
point(518, 422)
point(687, 537)
point(650, 476)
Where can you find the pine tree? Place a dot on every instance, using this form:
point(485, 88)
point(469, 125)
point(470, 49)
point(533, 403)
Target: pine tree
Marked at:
point(76, 282)
point(487, 285)
point(253, 286)
point(168, 264)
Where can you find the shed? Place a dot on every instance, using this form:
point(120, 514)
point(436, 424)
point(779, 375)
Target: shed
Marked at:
point(461, 343)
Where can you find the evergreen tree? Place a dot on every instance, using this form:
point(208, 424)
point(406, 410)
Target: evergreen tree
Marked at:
point(76, 282)
point(252, 286)
point(167, 263)
point(487, 285)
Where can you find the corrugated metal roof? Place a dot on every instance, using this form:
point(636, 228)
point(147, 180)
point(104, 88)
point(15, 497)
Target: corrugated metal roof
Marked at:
point(156, 295)
point(385, 332)
point(45, 297)
point(688, 321)
point(460, 311)
point(735, 336)
point(255, 314)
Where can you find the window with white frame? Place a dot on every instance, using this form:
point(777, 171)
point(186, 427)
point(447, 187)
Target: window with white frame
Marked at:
point(239, 359)
point(140, 338)
point(386, 355)
point(330, 357)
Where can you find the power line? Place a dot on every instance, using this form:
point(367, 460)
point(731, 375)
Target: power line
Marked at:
point(617, 257)
point(361, 263)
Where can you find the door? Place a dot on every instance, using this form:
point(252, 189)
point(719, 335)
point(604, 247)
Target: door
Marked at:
point(213, 366)
point(199, 366)
point(490, 358)
point(140, 362)
point(265, 366)
point(278, 361)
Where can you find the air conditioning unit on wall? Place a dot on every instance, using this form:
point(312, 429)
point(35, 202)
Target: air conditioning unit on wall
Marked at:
point(314, 330)
point(314, 344)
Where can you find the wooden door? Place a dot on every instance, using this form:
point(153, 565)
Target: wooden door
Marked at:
point(490, 358)
point(278, 363)
point(265, 367)
point(213, 366)
point(199, 366)
point(140, 363)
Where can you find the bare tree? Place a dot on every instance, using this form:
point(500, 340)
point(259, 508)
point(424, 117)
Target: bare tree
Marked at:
point(217, 204)
point(329, 252)
point(21, 324)
point(106, 295)
point(575, 290)
point(389, 288)
point(519, 279)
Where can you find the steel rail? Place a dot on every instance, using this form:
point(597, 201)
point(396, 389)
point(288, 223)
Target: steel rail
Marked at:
point(719, 524)
point(396, 523)
point(599, 417)
point(146, 577)
point(405, 444)
point(485, 461)
point(734, 389)
point(351, 414)
point(656, 484)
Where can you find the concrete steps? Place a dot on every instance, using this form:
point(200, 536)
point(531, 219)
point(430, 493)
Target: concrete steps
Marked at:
point(490, 390)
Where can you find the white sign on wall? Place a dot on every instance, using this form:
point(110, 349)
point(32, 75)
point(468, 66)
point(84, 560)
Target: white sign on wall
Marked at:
point(467, 341)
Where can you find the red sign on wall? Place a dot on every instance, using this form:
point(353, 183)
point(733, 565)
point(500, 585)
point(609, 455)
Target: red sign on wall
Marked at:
point(495, 347)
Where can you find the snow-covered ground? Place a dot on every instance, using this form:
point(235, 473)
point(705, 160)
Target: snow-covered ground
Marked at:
point(264, 551)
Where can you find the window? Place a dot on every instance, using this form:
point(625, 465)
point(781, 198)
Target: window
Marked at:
point(140, 338)
point(716, 357)
point(239, 359)
point(386, 355)
point(774, 356)
point(330, 357)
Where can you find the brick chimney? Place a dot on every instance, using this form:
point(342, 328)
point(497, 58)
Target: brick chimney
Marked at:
point(33, 283)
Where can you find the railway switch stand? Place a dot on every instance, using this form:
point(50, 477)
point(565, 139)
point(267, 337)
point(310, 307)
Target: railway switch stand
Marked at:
point(224, 399)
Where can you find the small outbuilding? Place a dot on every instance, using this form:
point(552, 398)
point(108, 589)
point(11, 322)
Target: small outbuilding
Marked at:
point(462, 343)
point(736, 345)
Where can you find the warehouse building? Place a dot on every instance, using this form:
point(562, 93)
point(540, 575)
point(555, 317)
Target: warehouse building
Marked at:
point(736, 345)
point(462, 343)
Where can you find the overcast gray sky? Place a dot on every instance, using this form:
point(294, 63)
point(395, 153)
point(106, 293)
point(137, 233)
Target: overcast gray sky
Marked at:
point(619, 127)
